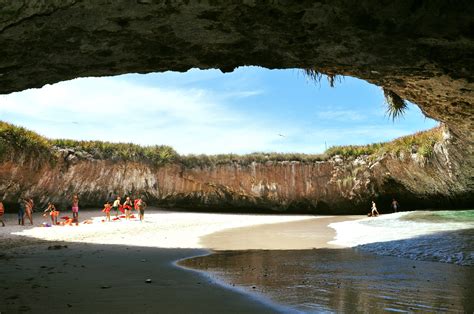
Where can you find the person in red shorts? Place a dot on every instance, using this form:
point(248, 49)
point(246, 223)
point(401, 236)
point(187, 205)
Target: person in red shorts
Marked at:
point(106, 210)
point(2, 212)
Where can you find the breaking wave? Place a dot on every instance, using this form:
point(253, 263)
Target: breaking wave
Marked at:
point(442, 236)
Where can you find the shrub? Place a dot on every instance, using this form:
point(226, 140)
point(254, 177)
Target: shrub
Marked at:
point(15, 139)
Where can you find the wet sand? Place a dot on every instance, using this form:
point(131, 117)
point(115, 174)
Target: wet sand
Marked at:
point(297, 235)
point(92, 278)
point(343, 280)
point(80, 269)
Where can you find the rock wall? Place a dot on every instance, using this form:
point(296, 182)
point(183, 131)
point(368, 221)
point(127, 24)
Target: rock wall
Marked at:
point(334, 186)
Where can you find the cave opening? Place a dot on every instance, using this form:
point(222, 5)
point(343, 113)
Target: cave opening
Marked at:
point(251, 109)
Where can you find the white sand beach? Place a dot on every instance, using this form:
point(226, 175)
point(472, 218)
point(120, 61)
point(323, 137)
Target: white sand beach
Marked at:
point(160, 229)
point(103, 267)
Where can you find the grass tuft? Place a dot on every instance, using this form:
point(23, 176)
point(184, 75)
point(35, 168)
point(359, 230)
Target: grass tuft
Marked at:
point(396, 106)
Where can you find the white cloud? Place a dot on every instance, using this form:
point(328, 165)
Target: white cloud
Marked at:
point(190, 120)
point(340, 115)
point(170, 109)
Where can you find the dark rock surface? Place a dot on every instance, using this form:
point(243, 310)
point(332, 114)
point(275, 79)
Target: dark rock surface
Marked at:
point(422, 50)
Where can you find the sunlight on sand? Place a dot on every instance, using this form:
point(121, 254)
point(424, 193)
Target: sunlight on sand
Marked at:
point(160, 229)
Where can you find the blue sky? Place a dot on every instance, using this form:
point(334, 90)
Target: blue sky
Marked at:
point(206, 111)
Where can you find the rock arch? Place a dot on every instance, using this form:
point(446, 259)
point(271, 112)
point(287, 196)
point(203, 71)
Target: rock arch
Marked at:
point(422, 50)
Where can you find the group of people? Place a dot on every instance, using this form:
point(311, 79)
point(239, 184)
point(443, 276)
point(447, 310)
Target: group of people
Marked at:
point(27, 205)
point(127, 207)
point(374, 212)
point(26, 209)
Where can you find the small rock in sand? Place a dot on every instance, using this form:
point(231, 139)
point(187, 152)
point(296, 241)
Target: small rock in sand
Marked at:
point(57, 247)
point(148, 281)
point(105, 287)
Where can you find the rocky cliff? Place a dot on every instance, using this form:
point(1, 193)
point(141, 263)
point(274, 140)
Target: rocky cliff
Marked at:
point(336, 185)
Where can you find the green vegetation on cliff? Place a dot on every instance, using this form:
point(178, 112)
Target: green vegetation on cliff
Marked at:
point(259, 157)
point(157, 154)
point(420, 142)
point(14, 139)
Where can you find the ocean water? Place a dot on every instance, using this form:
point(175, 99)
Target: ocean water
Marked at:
point(442, 236)
point(406, 262)
point(342, 281)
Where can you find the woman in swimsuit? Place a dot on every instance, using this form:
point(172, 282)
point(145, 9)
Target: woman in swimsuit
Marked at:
point(106, 210)
point(75, 209)
point(141, 208)
point(128, 205)
point(29, 210)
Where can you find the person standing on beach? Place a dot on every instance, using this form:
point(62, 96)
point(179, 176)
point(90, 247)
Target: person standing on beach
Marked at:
point(395, 205)
point(75, 209)
point(21, 212)
point(128, 205)
point(116, 206)
point(141, 208)
point(106, 210)
point(29, 210)
point(374, 211)
point(135, 204)
point(2, 212)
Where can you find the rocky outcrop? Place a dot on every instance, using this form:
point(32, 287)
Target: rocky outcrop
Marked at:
point(421, 50)
point(337, 185)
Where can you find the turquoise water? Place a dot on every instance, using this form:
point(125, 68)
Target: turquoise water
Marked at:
point(444, 216)
point(443, 236)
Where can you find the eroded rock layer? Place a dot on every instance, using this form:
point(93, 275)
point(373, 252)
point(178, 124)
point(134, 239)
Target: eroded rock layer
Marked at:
point(337, 185)
point(422, 50)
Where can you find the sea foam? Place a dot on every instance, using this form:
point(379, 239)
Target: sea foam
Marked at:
point(444, 236)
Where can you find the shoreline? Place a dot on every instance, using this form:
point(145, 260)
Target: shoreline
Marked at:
point(218, 242)
point(93, 261)
point(94, 271)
